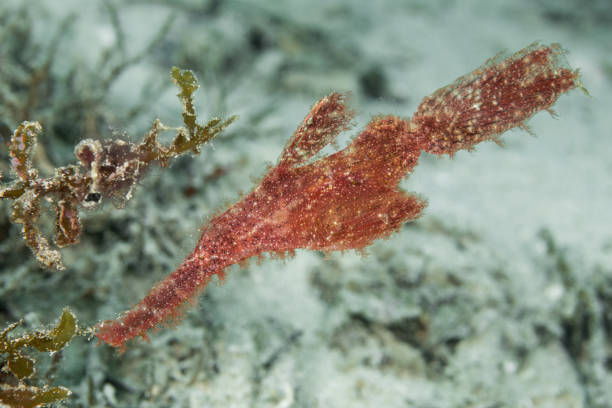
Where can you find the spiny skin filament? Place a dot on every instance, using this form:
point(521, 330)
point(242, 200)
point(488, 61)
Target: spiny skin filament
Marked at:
point(350, 198)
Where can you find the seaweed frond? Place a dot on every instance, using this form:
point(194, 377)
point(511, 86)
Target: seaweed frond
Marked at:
point(18, 386)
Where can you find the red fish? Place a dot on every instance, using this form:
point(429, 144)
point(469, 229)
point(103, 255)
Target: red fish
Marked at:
point(350, 198)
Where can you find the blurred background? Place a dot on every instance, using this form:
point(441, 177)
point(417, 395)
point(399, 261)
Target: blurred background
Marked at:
point(499, 296)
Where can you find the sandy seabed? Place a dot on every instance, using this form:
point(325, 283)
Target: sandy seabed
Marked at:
point(499, 296)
